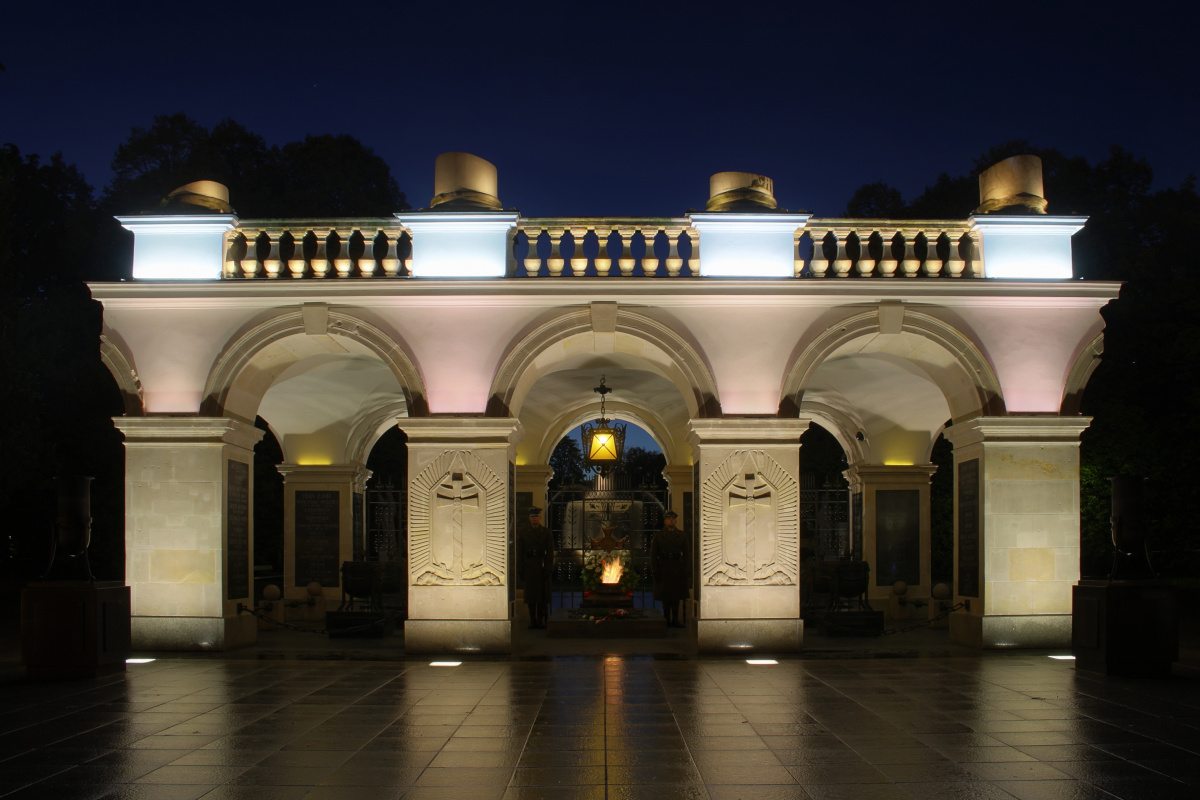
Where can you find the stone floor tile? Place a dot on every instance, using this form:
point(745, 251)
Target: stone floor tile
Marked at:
point(553, 793)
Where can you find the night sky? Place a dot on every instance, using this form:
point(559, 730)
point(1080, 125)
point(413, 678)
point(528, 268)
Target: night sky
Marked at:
point(619, 109)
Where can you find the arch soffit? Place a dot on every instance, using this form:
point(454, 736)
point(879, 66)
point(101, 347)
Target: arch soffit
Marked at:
point(368, 429)
point(840, 425)
point(118, 362)
point(520, 370)
point(989, 399)
point(1080, 373)
point(284, 323)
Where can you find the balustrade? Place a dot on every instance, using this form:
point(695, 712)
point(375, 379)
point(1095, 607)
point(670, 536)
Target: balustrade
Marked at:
point(832, 249)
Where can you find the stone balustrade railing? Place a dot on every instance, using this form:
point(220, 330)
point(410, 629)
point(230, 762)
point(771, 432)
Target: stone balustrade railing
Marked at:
point(577, 246)
point(873, 248)
point(318, 248)
point(599, 246)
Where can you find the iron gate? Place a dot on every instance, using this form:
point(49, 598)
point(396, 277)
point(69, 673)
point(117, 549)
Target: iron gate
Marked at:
point(575, 515)
point(824, 519)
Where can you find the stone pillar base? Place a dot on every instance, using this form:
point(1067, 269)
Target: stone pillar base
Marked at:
point(188, 634)
point(749, 635)
point(1017, 631)
point(458, 637)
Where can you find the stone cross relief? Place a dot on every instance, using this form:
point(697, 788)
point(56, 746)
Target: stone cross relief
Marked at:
point(746, 533)
point(449, 529)
point(750, 522)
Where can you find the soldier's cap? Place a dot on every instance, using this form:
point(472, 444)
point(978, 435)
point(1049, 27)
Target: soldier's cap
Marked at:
point(534, 511)
point(670, 514)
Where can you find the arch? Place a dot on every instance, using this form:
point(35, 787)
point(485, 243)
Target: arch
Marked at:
point(121, 367)
point(840, 426)
point(973, 368)
point(310, 319)
point(681, 362)
point(1081, 372)
point(369, 429)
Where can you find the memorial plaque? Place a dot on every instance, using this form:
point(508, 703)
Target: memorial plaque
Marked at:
point(897, 536)
point(968, 528)
point(317, 529)
point(856, 529)
point(359, 526)
point(237, 530)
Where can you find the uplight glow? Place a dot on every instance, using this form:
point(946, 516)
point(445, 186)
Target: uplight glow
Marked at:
point(758, 662)
point(1063, 658)
point(445, 663)
point(138, 660)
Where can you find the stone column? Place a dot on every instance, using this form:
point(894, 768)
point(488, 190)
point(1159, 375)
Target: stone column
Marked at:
point(320, 526)
point(1016, 529)
point(460, 482)
point(679, 480)
point(189, 541)
point(748, 571)
point(895, 528)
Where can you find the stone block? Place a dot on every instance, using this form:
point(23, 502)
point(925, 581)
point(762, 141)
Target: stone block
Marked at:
point(457, 637)
point(749, 635)
point(191, 634)
point(750, 602)
point(458, 602)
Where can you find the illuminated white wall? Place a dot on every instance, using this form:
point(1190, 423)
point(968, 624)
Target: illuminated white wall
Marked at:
point(175, 247)
point(459, 245)
point(1027, 246)
point(747, 245)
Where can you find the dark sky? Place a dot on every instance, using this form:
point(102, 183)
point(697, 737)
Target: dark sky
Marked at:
point(619, 108)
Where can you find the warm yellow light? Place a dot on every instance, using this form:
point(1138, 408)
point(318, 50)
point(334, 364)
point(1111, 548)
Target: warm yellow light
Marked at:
point(314, 461)
point(604, 446)
point(612, 571)
point(887, 463)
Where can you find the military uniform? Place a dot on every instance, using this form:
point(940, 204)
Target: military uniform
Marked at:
point(670, 564)
point(535, 563)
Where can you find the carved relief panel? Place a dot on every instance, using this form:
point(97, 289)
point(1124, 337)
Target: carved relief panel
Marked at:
point(750, 523)
point(457, 528)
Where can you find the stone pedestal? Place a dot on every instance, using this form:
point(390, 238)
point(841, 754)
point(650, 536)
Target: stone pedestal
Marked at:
point(1125, 627)
point(323, 515)
point(189, 540)
point(895, 528)
point(749, 534)
point(72, 630)
point(1016, 529)
point(461, 474)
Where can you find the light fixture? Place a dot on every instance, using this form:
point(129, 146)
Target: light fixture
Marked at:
point(761, 662)
point(138, 660)
point(445, 663)
point(603, 440)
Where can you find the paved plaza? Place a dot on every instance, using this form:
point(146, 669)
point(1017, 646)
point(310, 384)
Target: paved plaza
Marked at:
point(858, 725)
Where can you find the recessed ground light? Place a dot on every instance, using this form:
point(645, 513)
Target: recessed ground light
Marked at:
point(1064, 658)
point(138, 660)
point(761, 661)
point(445, 663)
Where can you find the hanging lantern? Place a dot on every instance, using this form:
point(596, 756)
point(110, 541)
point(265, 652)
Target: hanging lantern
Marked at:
point(603, 440)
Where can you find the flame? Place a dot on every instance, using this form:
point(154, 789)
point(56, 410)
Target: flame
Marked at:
point(612, 571)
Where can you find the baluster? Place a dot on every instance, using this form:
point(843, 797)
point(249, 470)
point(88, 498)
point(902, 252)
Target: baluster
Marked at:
point(910, 264)
point(231, 264)
point(866, 264)
point(797, 260)
point(694, 261)
point(272, 264)
point(978, 268)
point(625, 263)
point(649, 260)
point(250, 262)
point(933, 264)
point(603, 265)
point(579, 260)
point(296, 264)
point(955, 264)
point(366, 264)
point(320, 259)
point(818, 265)
point(391, 259)
point(887, 264)
point(841, 261)
point(674, 262)
point(343, 263)
point(532, 262)
point(404, 251)
point(555, 262)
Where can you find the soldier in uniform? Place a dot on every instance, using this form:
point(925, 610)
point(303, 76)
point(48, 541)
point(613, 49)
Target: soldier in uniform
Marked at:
point(671, 568)
point(535, 562)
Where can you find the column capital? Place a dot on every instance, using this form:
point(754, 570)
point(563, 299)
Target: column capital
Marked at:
point(456, 431)
point(890, 475)
point(354, 474)
point(747, 430)
point(534, 473)
point(188, 430)
point(1063, 430)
